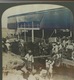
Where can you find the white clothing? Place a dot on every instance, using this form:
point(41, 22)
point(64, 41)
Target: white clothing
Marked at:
point(51, 67)
point(58, 56)
point(60, 47)
point(7, 41)
point(48, 63)
point(64, 43)
point(55, 49)
point(73, 55)
point(68, 42)
point(7, 45)
point(26, 56)
point(70, 47)
point(29, 61)
point(29, 57)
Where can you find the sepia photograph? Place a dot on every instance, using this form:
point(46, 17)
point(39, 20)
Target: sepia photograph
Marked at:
point(38, 42)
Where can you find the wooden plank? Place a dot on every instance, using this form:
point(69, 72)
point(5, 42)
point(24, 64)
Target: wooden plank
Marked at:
point(68, 62)
point(42, 56)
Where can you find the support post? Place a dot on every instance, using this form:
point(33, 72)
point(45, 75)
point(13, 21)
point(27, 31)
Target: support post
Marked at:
point(25, 36)
point(70, 33)
point(55, 31)
point(32, 32)
point(42, 33)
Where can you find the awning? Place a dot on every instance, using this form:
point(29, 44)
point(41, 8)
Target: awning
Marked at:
point(60, 18)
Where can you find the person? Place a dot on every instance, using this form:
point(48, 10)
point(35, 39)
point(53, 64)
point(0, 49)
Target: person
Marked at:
point(64, 41)
point(59, 46)
point(55, 48)
point(29, 60)
point(57, 57)
point(69, 49)
point(4, 47)
point(43, 75)
point(72, 55)
point(7, 45)
point(21, 47)
point(49, 67)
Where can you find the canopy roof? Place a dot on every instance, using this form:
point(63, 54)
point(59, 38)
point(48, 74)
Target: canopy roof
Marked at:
point(51, 18)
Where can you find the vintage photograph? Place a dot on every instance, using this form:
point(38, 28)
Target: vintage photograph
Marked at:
point(38, 42)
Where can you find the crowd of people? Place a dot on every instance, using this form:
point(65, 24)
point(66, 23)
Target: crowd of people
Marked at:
point(62, 48)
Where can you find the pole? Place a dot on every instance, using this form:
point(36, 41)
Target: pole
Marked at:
point(32, 32)
point(70, 33)
point(24, 33)
point(25, 36)
point(32, 35)
point(42, 33)
point(55, 31)
point(17, 26)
